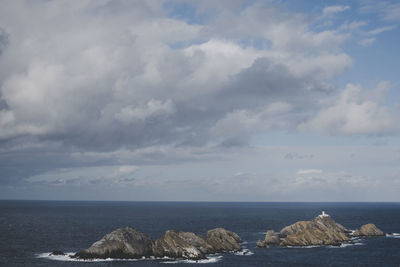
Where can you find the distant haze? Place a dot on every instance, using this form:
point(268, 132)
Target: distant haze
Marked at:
point(200, 100)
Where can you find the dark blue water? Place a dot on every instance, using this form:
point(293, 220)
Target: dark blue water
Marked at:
point(28, 228)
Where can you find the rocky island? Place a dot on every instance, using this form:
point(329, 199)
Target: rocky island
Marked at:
point(270, 239)
point(129, 243)
point(321, 231)
point(123, 243)
point(369, 230)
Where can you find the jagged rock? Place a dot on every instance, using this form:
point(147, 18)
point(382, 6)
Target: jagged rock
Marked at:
point(270, 239)
point(319, 231)
point(261, 244)
point(123, 243)
point(223, 240)
point(179, 244)
point(357, 233)
point(324, 222)
point(314, 237)
point(294, 228)
point(369, 230)
point(57, 253)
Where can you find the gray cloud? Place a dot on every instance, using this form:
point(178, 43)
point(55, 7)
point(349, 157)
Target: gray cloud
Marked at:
point(4, 40)
point(356, 111)
point(294, 155)
point(121, 86)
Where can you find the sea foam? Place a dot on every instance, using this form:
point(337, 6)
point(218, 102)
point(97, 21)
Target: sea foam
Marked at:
point(67, 257)
point(208, 260)
point(393, 235)
point(244, 252)
point(345, 245)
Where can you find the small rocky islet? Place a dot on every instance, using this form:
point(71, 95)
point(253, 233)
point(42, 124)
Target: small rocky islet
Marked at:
point(129, 243)
point(321, 231)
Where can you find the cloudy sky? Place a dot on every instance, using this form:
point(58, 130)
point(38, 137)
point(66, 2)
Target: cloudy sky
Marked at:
point(200, 100)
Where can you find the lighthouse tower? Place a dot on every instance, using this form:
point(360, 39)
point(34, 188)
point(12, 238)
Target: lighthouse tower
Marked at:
point(323, 215)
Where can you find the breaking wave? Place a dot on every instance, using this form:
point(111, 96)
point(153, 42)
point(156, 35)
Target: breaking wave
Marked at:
point(244, 252)
point(208, 260)
point(393, 235)
point(67, 257)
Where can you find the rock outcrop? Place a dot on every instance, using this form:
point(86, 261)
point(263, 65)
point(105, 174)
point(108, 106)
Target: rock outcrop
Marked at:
point(123, 243)
point(369, 230)
point(319, 231)
point(179, 244)
point(261, 244)
point(324, 222)
point(294, 228)
point(270, 239)
point(57, 253)
point(222, 240)
point(128, 243)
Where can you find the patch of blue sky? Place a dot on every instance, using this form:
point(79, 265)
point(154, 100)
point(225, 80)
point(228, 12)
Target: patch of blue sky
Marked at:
point(187, 12)
point(183, 44)
point(372, 62)
point(379, 61)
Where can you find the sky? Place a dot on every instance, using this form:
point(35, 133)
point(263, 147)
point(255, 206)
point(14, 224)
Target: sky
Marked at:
point(228, 100)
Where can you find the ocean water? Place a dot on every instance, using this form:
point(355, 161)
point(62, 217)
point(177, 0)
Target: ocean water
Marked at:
point(30, 230)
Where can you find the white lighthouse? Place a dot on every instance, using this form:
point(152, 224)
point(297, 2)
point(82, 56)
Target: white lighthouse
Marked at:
point(323, 215)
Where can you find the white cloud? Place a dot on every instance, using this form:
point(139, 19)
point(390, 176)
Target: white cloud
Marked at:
point(393, 12)
point(381, 30)
point(388, 11)
point(327, 183)
point(240, 124)
point(372, 33)
point(298, 156)
point(216, 62)
point(329, 10)
point(277, 108)
point(121, 174)
point(86, 176)
point(253, 174)
point(356, 112)
point(323, 66)
point(351, 26)
point(130, 70)
point(367, 41)
point(152, 108)
point(309, 171)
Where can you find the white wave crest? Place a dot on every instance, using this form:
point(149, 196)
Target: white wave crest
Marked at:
point(344, 245)
point(67, 257)
point(303, 246)
point(208, 260)
point(244, 252)
point(393, 235)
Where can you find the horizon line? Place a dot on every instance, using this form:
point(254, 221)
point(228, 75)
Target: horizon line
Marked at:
point(192, 201)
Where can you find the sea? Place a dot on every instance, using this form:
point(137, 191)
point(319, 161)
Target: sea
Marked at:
point(31, 230)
